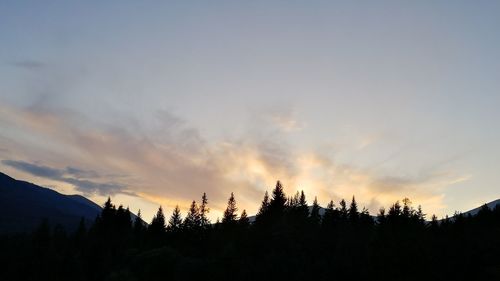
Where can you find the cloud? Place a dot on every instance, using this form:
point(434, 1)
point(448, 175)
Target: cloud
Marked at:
point(62, 175)
point(287, 122)
point(27, 64)
point(168, 162)
point(36, 170)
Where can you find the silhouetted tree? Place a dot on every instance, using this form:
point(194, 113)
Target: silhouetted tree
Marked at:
point(400, 243)
point(302, 206)
point(192, 220)
point(343, 212)
point(353, 211)
point(138, 223)
point(381, 216)
point(230, 215)
point(244, 221)
point(331, 216)
point(315, 217)
point(157, 226)
point(278, 201)
point(175, 221)
point(263, 210)
point(204, 210)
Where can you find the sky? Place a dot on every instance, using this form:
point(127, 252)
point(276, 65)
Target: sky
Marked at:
point(155, 102)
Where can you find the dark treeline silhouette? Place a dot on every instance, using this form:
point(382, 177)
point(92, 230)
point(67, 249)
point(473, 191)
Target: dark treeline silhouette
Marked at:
point(289, 240)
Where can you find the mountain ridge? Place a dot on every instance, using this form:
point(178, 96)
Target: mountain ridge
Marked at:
point(27, 205)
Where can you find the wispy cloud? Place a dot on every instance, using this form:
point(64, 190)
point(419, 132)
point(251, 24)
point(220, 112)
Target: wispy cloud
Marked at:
point(27, 64)
point(63, 175)
point(172, 163)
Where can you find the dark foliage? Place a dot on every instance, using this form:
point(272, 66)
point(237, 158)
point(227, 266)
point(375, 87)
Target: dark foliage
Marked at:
point(287, 241)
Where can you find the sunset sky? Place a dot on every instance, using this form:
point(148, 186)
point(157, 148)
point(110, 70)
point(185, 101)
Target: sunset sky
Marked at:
point(155, 103)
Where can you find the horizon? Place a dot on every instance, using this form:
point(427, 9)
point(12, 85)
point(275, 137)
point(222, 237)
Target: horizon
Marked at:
point(428, 217)
point(154, 104)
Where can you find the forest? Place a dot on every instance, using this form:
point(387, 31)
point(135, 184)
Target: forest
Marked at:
point(288, 239)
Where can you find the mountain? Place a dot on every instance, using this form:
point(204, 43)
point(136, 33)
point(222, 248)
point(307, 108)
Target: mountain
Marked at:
point(26, 205)
point(490, 205)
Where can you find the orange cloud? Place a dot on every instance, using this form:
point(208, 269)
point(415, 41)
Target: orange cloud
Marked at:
point(178, 166)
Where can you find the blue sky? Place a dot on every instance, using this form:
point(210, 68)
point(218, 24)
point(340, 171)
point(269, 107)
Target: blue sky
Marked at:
point(155, 103)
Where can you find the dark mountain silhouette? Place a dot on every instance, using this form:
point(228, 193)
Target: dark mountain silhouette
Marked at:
point(287, 241)
point(490, 205)
point(26, 205)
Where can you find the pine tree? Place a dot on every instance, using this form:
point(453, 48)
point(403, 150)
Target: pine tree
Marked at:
point(107, 219)
point(204, 210)
point(365, 218)
point(343, 212)
point(192, 220)
point(138, 224)
point(157, 225)
point(175, 221)
point(353, 211)
point(264, 207)
point(244, 221)
point(303, 209)
point(381, 216)
point(420, 215)
point(315, 217)
point(277, 204)
point(123, 220)
point(293, 201)
point(329, 217)
point(407, 209)
point(434, 224)
point(230, 215)
point(394, 214)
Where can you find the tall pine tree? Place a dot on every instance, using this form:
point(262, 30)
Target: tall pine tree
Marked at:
point(192, 220)
point(230, 214)
point(175, 221)
point(157, 226)
point(204, 210)
point(315, 217)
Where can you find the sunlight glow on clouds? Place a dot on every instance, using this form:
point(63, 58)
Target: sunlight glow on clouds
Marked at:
point(156, 103)
point(168, 170)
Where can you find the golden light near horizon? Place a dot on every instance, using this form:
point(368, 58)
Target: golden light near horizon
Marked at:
point(191, 100)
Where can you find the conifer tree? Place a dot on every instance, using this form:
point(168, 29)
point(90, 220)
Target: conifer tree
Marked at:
point(107, 219)
point(244, 221)
point(381, 216)
point(192, 220)
point(123, 221)
point(353, 211)
point(434, 224)
point(343, 212)
point(277, 204)
point(157, 225)
point(329, 217)
point(204, 210)
point(175, 221)
point(407, 209)
point(264, 207)
point(302, 206)
point(138, 223)
point(230, 215)
point(394, 214)
point(315, 217)
point(420, 215)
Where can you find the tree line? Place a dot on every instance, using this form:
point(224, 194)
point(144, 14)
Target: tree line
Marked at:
point(288, 239)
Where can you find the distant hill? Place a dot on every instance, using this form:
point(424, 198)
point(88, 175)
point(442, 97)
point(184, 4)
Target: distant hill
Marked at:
point(490, 205)
point(25, 205)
